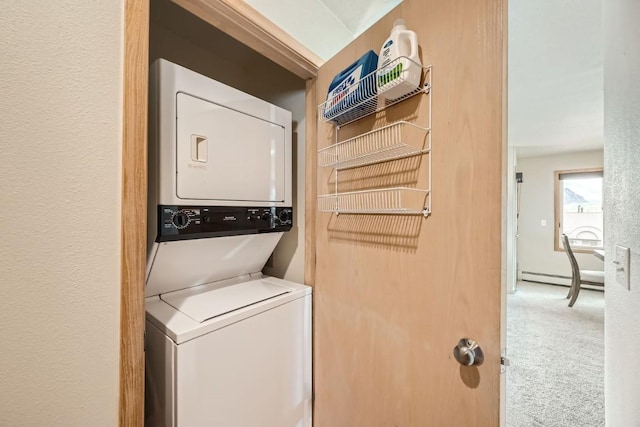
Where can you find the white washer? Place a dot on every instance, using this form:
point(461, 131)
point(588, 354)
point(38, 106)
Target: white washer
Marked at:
point(231, 354)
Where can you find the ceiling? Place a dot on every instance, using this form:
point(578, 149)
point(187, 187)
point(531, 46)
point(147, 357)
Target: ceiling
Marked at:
point(324, 26)
point(555, 76)
point(555, 62)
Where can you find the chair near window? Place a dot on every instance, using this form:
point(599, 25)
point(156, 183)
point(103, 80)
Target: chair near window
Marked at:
point(580, 277)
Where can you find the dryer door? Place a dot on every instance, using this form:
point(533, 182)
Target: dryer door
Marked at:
point(227, 155)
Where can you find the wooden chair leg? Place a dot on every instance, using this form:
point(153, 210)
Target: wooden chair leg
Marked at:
point(574, 296)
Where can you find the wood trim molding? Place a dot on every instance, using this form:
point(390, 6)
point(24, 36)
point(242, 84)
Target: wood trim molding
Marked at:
point(311, 121)
point(134, 212)
point(557, 210)
point(247, 25)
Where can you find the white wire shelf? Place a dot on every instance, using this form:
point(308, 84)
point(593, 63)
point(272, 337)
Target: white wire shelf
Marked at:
point(395, 141)
point(362, 97)
point(392, 201)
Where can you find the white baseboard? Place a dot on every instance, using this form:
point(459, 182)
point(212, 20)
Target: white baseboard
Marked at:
point(552, 279)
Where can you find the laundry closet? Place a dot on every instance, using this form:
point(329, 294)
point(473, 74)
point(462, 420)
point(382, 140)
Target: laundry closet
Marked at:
point(403, 252)
point(226, 342)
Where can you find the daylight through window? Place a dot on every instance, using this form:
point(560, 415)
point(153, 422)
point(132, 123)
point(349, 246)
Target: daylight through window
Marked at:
point(579, 209)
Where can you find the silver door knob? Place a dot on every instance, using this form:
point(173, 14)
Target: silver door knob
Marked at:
point(468, 352)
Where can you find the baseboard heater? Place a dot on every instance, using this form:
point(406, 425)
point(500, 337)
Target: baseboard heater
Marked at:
point(552, 279)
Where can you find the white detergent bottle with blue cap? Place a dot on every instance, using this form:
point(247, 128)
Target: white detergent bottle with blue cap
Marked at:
point(399, 66)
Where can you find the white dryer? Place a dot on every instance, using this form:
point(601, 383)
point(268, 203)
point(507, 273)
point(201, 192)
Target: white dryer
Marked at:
point(225, 346)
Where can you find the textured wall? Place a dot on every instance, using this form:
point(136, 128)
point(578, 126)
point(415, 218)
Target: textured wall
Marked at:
point(60, 249)
point(535, 242)
point(622, 213)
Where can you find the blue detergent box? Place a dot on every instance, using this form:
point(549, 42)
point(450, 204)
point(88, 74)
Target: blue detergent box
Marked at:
point(348, 89)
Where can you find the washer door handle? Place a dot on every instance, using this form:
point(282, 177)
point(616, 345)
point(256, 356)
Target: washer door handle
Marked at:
point(468, 352)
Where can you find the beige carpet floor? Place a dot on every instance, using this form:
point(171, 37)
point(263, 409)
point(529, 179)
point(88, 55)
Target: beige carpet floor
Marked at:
point(556, 377)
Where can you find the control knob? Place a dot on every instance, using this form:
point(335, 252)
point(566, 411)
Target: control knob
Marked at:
point(180, 219)
point(285, 216)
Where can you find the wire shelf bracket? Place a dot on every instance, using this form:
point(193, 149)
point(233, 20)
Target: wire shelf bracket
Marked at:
point(362, 99)
point(389, 201)
point(394, 141)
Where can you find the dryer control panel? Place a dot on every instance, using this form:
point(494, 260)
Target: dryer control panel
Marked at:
point(196, 222)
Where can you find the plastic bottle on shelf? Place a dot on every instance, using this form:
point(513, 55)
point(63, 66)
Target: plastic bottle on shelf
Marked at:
point(399, 66)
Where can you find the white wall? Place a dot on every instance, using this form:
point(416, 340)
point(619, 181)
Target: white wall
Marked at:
point(61, 84)
point(535, 242)
point(308, 21)
point(511, 242)
point(622, 213)
point(324, 26)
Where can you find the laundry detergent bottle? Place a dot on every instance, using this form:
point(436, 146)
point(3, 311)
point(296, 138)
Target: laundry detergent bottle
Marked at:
point(399, 66)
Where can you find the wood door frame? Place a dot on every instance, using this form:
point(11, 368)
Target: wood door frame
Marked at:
point(134, 212)
point(254, 30)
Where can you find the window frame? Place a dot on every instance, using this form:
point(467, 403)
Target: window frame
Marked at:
point(557, 208)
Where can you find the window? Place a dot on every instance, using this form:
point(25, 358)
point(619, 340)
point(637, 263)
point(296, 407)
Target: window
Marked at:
point(578, 207)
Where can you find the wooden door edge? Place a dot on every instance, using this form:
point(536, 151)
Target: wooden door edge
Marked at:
point(250, 27)
point(502, 399)
point(310, 179)
point(134, 212)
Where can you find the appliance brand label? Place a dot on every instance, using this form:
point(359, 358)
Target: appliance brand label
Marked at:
point(229, 218)
point(192, 166)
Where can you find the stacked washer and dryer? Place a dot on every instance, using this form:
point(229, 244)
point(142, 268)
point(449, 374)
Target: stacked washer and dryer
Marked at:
point(225, 345)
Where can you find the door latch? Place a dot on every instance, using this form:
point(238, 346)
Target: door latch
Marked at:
point(504, 362)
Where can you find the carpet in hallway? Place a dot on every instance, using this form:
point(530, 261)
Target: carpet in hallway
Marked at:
point(556, 377)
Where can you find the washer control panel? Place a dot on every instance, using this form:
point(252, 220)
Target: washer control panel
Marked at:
point(195, 222)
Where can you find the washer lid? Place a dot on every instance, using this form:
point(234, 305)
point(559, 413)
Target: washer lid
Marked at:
point(184, 264)
point(207, 305)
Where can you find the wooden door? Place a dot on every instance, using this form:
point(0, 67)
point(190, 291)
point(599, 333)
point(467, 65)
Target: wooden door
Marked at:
point(393, 294)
